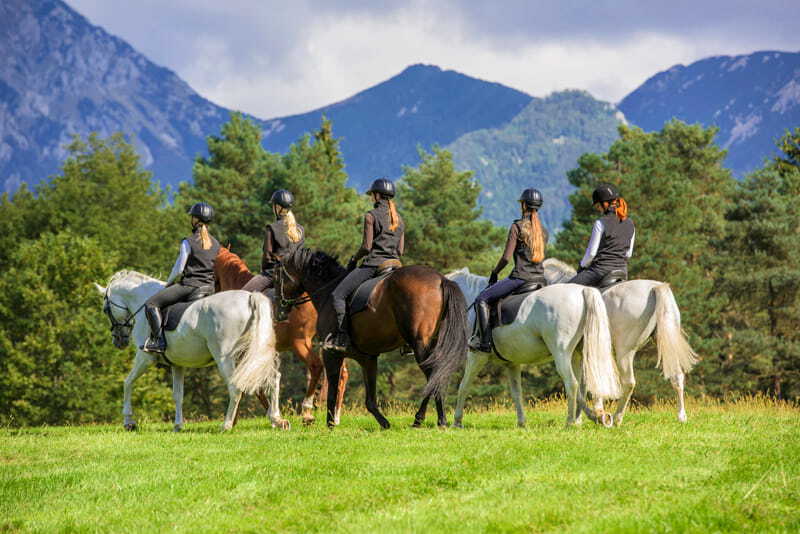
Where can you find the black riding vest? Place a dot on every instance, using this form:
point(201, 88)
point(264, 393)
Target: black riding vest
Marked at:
point(385, 242)
point(283, 245)
point(612, 254)
point(199, 270)
point(524, 267)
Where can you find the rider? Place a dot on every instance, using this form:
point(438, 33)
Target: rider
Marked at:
point(280, 238)
point(194, 266)
point(383, 240)
point(526, 241)
point(611, 242)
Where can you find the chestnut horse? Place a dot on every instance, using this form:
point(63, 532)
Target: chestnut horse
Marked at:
point(414, 306)
point(295, 333)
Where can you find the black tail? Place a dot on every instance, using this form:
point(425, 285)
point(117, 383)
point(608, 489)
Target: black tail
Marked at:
point(450, 350)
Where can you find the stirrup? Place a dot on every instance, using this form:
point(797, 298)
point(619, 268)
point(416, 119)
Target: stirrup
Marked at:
point(333, 342)
point(477, 344)
point(152, 346)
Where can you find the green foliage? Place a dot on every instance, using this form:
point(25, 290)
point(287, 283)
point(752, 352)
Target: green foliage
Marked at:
point(732, 468)
point(443, 225)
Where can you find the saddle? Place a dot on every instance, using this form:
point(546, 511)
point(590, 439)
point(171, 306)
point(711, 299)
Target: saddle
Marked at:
point(505, 310)
point(613, 278)
point(173, 314)
point(360, 298)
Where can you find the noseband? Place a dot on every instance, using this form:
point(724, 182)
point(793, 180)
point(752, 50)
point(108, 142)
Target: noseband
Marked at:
point(290, 303)
point(115, 324)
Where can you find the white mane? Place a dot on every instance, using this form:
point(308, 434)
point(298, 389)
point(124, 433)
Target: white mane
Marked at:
point(556, 271)
point(127, 281)
point(470, 284)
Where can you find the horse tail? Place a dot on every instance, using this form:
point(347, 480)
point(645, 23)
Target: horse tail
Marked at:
point(675, 355)
point(599, 369)
point(450, 349)
point(258, 363)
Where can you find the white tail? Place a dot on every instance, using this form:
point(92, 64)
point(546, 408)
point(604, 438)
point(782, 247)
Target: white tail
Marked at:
point(675, 356)
point(258, 363)
point(599, 369)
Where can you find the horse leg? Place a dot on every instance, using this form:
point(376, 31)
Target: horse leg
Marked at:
point(475, 362)
point(140, 365)
point(678, 382)
point(564, 368)
point(369, 365)
point(333, 367)
point(598, 414)
point(275, 404)
point(419, 417)
point(627, 381)
point(177, 396)
point(514, 373)
point(344, 376)
point(313, 363)
point(225, 365)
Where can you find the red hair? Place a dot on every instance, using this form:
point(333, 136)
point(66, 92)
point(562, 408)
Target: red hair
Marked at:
point(620, 208)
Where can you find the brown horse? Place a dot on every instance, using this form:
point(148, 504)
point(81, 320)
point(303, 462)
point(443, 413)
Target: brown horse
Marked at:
point(414, 306)
point(295, 333)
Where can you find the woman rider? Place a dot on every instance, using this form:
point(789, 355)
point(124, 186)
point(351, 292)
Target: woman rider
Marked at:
point(280, 238)
point(611, 242)
point(383, 239)
point(194, 266)
point(526, 241)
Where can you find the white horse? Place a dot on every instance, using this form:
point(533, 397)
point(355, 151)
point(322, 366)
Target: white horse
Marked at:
point(233, 329)
point(550, 323)
point(635, 309)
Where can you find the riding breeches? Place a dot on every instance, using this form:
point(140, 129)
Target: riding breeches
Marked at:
point(499, 290)
point(170, 295)
point(354, 278)
point(259, 283)
point(588, 277)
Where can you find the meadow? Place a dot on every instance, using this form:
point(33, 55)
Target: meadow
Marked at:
point(733, 467)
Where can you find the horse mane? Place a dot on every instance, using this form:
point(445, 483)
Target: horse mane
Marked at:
point(131, 276)
point(474, 282)
point(556, 271)
point(316, 266)
point(230, 270)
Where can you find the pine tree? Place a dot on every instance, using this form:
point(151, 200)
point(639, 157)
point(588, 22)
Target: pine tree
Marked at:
point(443, 225)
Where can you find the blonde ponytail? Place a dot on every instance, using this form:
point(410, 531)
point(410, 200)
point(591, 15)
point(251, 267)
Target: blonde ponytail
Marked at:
point(205, 238)
point(292, 231)
point(533, 235)
point(394, 217)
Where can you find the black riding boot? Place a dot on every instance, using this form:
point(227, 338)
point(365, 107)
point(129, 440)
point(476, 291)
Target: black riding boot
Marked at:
point(156, 342)
point(484, 342)
point(341, 342)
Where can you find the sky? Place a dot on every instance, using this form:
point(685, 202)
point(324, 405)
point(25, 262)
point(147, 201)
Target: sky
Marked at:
point(276, 58)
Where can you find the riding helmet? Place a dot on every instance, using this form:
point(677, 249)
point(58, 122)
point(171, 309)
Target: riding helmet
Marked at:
point(383, 186)
point(283, 198)
point(604, 193)
point(202, 211)
point(532, 198)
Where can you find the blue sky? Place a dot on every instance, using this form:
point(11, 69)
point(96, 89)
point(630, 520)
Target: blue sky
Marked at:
point(272, 58)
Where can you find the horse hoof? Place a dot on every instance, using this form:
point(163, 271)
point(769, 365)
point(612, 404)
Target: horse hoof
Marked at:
point(416, 424)
point(130, 427)
point(607, 420)
point(177, 428)
point(682, 417)
point(283, 424)
point(308, 420)
point(457, 424)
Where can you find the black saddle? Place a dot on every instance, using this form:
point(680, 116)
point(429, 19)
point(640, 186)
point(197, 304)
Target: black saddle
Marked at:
point(506, 309)
point(174, 313)
point(360, 297)
point(613, 278)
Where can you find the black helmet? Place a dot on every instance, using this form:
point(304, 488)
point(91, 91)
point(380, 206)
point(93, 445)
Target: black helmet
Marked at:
point(283, 198)
point(532, 198)
point(604, 193)
point(383, 186)
point(202, 211)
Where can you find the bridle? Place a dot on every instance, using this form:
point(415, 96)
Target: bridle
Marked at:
point(115, 324)
point(292, 302)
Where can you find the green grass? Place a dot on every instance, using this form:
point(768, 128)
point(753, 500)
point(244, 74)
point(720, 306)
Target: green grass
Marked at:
point(733, 467)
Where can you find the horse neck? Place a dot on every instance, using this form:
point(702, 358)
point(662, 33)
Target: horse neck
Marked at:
point(135, 293)
point(471, 284)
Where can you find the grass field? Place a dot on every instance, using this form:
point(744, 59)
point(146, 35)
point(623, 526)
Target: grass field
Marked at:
point(732, 467)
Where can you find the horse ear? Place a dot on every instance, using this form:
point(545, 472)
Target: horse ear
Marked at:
point(100, 289)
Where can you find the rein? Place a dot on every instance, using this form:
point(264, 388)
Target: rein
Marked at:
point(291, 303)
point(114, 323)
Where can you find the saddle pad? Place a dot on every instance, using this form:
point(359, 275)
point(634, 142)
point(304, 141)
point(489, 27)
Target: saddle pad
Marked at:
point(360, 298)
point(173, 314)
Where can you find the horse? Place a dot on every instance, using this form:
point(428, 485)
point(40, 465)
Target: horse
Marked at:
point(232, 329)
point(295, 333)
point(414, 306)
point(550, 323)
point(635, 309)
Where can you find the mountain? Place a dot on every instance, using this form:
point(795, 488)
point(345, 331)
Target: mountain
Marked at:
point(61, 75)
point(382, 126)
point(751, 98)
point(536, 149)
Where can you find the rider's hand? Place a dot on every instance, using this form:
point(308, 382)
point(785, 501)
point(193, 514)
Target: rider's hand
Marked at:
point(352, 263)
point(493, 278)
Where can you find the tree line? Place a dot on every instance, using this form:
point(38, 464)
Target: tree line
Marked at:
point(727, 247)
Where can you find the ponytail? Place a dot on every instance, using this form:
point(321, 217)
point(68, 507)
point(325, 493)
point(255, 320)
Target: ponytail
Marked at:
point(394, 217)
point(621, 209)
point(292, 231)
point(533, 234)
point(205, 239)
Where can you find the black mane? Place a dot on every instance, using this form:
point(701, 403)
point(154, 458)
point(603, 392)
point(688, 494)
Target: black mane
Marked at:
point(316, 266)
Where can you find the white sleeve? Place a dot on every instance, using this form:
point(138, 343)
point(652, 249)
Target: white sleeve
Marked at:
point(594, 243)
point(630, 250)
point(180, 263)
